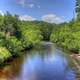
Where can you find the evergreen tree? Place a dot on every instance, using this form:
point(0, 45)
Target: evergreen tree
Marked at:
point(78, 8)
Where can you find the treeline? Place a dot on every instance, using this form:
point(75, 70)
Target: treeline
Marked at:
point(68, 36)
point(16, 35)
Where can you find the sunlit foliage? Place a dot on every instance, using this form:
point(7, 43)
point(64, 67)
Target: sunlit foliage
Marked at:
point(4, 54)
point(14, 45)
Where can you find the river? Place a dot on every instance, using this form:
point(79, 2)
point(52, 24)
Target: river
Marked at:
point(46, 62)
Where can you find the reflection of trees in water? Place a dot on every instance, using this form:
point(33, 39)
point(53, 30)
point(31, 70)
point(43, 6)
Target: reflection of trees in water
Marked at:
point(12, 70)
point(46, 63)
point(43, 63)
point(42, 51)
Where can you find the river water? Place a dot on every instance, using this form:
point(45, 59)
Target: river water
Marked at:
point(46, 62)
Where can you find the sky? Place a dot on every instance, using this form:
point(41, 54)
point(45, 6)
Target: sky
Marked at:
point(53, 11)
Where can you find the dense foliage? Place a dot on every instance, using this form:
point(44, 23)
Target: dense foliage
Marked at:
point(4, 54)
point(16, 35)
point(68, 36)
point(14, 45)
point(30, 37)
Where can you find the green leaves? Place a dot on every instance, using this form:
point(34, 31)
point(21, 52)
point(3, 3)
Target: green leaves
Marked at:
point(78, 9)
point(14, 45)
point(68, 36)
point(31, 37)
point(4, 54)
point(17, 35)
point(46, 30)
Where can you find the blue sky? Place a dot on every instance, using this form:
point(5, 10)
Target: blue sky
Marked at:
point(40, 9)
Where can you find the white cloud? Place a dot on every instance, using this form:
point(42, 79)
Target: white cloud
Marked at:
point(21, 2)
point(31, 5)
point(1, 13)
point(52, 18)
point(26, 18)
point(24, 3)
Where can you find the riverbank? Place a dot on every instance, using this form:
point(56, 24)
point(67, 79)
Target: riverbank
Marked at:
point(38, 62)
point(76, 61)
point(75, 57)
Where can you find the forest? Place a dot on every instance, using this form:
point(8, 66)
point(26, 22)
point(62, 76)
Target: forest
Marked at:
point(17, 36)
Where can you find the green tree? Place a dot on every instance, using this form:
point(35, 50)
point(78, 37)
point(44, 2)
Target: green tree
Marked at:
point(4, 54)
point(46, 30)
point(2, 39)
point(31, 37)
point(14, 45)
point(10, 24)
point(78, 8)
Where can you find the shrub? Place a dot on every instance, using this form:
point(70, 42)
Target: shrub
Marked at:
point(4, 54)
point(31, 37)
point(14, 45)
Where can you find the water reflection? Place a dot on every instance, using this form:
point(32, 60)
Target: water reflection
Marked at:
point(48, 64)
point(44, 63)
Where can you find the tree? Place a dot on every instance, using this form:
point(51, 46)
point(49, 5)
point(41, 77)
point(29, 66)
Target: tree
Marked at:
point(31, 37)
point(10, 24)
point(4, 54)
point(46, 30)
point(78, 8)
point(2, 39)
point(14, 45)
point(1, 22)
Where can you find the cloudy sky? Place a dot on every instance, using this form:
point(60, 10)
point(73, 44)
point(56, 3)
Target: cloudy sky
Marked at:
point(53, 11)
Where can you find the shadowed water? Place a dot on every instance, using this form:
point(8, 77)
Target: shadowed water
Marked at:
point(44, 63)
